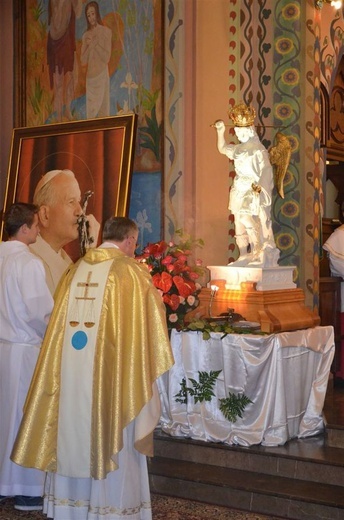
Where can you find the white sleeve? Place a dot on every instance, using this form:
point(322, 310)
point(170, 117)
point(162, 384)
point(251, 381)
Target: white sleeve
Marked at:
point(36, 296)
point(335, 248)
point(336, 265)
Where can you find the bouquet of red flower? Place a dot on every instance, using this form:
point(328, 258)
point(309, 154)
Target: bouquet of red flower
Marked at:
point(173, 277)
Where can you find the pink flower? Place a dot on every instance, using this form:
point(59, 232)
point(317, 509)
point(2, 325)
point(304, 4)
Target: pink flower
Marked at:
point(191, 300)
point(173, 318)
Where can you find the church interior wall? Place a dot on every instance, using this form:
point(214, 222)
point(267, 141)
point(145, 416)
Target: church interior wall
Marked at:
point(276, 64)
point(209, 68)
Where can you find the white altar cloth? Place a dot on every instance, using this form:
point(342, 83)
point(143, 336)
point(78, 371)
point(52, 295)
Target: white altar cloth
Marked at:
point(285, 375)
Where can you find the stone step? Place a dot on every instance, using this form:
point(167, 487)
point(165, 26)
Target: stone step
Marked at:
point(300, 459)
point(262, 493)
point(335, 436)
point(334, 414)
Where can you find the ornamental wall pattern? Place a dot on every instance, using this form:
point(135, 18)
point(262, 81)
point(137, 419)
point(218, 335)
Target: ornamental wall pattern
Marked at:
point(174, 117)
point(276, 62)
point(274, 83)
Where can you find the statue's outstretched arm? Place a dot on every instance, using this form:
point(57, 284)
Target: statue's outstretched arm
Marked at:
point(222, 146)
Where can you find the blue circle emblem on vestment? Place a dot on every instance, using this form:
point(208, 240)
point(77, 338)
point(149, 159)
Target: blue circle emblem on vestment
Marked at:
point(79, 340)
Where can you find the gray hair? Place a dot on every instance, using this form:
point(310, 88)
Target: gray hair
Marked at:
point(118, 228)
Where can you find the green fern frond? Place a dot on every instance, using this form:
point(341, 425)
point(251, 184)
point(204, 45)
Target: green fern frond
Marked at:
point(233, 406)
point(203, 389)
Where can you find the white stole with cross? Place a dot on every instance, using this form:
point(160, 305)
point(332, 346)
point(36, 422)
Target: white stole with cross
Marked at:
point(75, 407)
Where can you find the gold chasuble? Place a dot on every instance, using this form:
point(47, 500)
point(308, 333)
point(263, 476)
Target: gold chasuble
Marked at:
point(105, 346)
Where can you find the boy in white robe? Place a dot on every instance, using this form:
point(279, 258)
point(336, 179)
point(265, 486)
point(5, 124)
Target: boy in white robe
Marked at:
point(25, 307)
point(334, 245)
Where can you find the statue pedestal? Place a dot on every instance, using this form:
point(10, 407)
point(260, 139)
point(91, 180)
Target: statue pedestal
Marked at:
point(266, 278)
point(270, 298)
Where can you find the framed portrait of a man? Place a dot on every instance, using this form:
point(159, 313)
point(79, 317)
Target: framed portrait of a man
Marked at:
point(100, 152)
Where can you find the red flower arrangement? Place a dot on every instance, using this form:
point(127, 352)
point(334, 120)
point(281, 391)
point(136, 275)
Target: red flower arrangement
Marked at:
point(173, 277)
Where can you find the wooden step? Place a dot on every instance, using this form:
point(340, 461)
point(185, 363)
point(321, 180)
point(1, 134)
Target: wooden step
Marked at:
point(251, 491)
point(334, 414)
point(302, 480)
point(335, 436)
point(301, 459)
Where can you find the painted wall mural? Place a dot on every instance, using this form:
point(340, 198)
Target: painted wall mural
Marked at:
point(95, 59)
point(270, 80)
point(287, 113)
point(315, 167)
point(332, 76)
point(281, 77)
point(268, 75)
point(174, 116)
point(234, 90)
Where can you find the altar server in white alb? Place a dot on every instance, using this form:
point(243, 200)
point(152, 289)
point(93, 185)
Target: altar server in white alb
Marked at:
point(25, 307)
point(93, 402)
point(335, 249)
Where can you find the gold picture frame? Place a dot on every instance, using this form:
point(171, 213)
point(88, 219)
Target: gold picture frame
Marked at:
point(100, 152)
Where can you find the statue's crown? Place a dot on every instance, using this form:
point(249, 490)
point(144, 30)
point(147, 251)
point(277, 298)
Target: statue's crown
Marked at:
point(242, 115)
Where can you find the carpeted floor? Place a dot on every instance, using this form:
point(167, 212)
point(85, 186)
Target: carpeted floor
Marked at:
point(164, 508)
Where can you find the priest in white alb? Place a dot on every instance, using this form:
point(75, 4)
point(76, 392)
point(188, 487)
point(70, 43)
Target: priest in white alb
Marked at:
point(93, 402)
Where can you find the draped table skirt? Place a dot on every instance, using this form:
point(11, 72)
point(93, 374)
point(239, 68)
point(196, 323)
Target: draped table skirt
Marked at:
point(285, 375)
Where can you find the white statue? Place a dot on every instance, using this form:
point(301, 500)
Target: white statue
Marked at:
point(251, 191)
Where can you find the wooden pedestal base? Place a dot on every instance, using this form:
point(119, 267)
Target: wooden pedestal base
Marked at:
point(275, 310)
